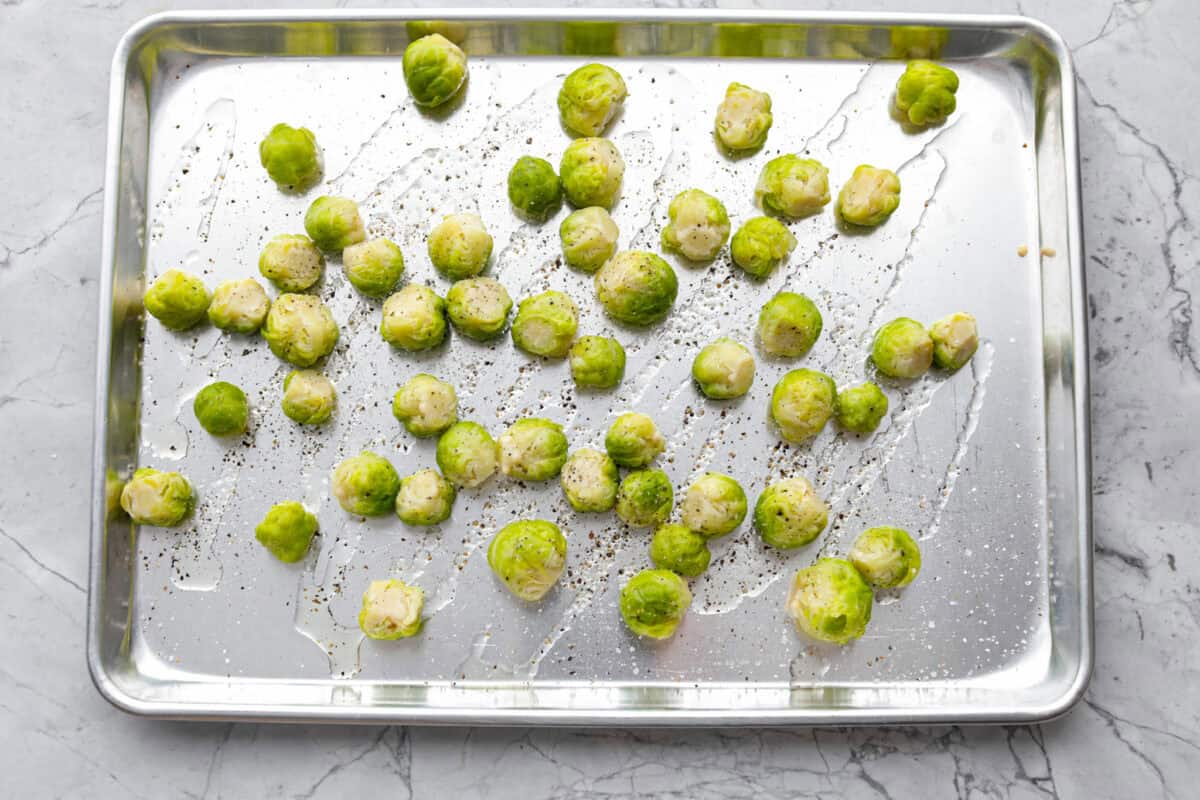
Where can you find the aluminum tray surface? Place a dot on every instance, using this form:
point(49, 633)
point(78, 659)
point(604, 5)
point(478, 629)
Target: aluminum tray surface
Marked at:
point(200, 621)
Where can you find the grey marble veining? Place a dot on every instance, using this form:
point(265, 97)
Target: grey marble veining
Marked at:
point(1136, 734)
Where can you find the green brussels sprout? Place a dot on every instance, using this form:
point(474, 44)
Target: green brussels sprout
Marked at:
point(792, 186)
point(743, 118)
point(454, 31)
point(714, 505)
point(654, 602)
point(414, 319)
point(789, 514)
point(955, 340)
point(435, 69)
point(374, 266)
point(221, 409)
point(589, 238)
point(644, 498)
point(789, 325)
point(177, 300)
point(918, 41)
point(860, 409)
point(162, 499)
point(589, 481)
point(239, 306)
point(633, 440)
point(532, 450)
point(902, 349)
point(391, 609)
point(425, 498)
point(680, 550)
point(545, 324)
point(308, 397)
point(597, 362)
point(761, 245)
point(333, 223)
point(589, 99)
point(724, 369)
point(699, 226)
point(292, 262)
point(286, 531)
point(366, 484)
point(467, 454)
point(533, 188)
point(425, 405)
point(887, 558)
point(529, 556)
point(460, 246)
point(925, 93)
point(479, 307)
point(869, 197)
point(592, 170)
point(636, 287)
point(291, 157)
point(830, 601)
point(300, 329)
point(801, 404)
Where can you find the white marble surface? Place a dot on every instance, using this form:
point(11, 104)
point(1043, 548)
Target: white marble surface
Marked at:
point(1136, 734)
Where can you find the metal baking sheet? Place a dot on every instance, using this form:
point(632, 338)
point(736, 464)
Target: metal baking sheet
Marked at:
point(989, 467)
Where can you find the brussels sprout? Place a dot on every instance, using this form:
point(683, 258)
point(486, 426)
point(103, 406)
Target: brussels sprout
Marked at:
point(435, 69)
point(589, 481)
point(633, 440)
point(925, 93)
point(589, 99)
point(300, 329)
point(887, 558)
point(425, 405)
point(425, 498)
point(163, 499)
point(479, 307)
point(860, 409)
point(533, 188)
point(654, 602)
point(454, 31)
point(333, 223)
point(789, 325)
point(636, 287)
point(286, 531)
point(589, 238)
point(699, 226)
point(221, 409)
point(467, 454)
point(529, 556)
point(373, 267)
point(644, 498)
point(918, 41)
point(591, 171)
point(414, 318)
point(902, 349)
point(955, 339)
point(532, 450)
point(177, 300)
point(761, 245)
point(291, 157)
point(680, 550)
point(308, 397)
point(239, 306)
point(391, 609)
point(723, 369)
point(460, 246)
point(792, 186)
point(292, 262)
point(545, 324)
point(743, 118)
point(869, 197)
point(830, 601)
point(801, 404)
point(597, 362)
point(714, 505)
point(366, 484)
point(789, 514)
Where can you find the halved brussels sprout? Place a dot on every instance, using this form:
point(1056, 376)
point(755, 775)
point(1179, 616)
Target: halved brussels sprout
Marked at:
point(925, 93)
point(654, 602)
point(743, 118)
point(291, 157)
point(287, 531)
point(589, 238)
point(633, 440)
point(299, 329)
point(636, 287)
point(589, 481)
point(467, 454)
point(308, 397)
point(425, 405)
point(435, 69)
point(373, 267)
point(177, 300)
point(529, 556)
point(955, 340)
point(366, 484)
point(724, 369)
point(792, 186)
point(902, 349)
point(644, 498)
point(333, 223)
point(589, 99)
point(545, 324)
point(533, 188)
point(221, 409)
point(789, 514)
point(460, 246)
point(162, 499)
point(699, 226)
point(532, 450)
point(886, 557)
point(830, 601)
point(714, 505)
point(592, 170)
point(801, 404)
point(391, 609)
point(860, 409)
point(479, 307)
point(424, 498)
point(761, 245)
point(680, 550)
point(414, 319)
point(239, 306)
point(292, 262)
point(789, 325)
point(869, 197)
point(597, 362)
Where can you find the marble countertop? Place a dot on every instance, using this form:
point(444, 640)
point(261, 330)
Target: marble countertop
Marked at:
point(1135, 734)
